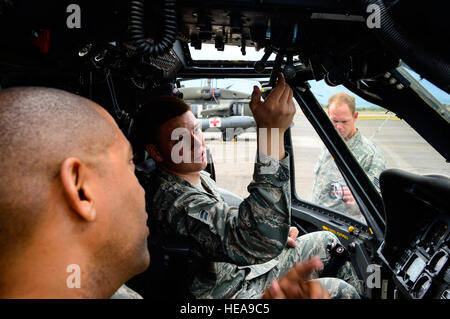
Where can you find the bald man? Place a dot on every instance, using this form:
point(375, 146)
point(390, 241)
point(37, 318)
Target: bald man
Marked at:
point(72, 213)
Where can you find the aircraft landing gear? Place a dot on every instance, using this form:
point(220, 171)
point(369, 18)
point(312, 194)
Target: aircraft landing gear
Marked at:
point(228, 136)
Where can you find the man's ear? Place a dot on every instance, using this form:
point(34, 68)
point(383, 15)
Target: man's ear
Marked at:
point(154, 153)
point(77, 191)
point(356, 116)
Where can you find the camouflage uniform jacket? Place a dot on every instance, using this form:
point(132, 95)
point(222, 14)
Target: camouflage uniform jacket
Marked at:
point(327, 173)
point(125, 292)
point(226, 239)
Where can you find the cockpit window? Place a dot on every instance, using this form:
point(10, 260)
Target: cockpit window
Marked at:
point(381, 140)
point(441, 97)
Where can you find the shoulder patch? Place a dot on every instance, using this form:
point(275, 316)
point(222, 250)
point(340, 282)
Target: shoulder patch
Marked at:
point(204, 215)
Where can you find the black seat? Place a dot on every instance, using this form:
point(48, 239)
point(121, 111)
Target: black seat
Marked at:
point(170, 273)
point(171, 264)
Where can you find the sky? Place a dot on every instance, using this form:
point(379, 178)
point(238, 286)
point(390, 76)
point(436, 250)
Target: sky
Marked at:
point(320, 89)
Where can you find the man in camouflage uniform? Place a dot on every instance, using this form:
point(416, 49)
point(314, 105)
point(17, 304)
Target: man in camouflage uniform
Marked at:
point(329, 187)
point(240, 249)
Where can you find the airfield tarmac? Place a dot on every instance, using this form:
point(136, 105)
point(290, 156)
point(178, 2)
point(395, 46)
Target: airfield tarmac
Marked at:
point(400, 145)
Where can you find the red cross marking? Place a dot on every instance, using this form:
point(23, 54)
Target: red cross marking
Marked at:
point(214, 122)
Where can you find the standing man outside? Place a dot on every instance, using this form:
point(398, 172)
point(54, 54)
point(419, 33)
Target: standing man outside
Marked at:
point(329, 187)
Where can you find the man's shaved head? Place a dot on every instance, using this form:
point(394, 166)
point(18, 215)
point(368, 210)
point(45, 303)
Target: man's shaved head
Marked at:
point(39, 128)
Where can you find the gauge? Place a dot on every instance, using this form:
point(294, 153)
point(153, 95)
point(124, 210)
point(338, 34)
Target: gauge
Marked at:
point(421, 287)
point(415, 268)
point(437, 261)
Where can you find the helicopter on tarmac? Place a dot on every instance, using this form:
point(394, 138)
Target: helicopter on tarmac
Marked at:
point(220, 109)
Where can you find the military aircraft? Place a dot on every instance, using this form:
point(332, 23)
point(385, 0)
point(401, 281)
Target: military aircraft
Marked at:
point(121, 53)
point(220, 109)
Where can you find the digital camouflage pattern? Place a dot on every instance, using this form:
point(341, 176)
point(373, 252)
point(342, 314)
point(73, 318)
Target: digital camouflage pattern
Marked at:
point(254, 232)
point(237, 246)
point(328, 178)
point(125, 292)
point(309, 245)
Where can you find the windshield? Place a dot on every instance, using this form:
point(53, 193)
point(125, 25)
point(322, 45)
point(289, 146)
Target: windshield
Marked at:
point(240, 85)
point(230, 53)
point(389, 141)
point(439, 99)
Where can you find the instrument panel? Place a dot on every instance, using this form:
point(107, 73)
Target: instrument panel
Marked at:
point(422, 270)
